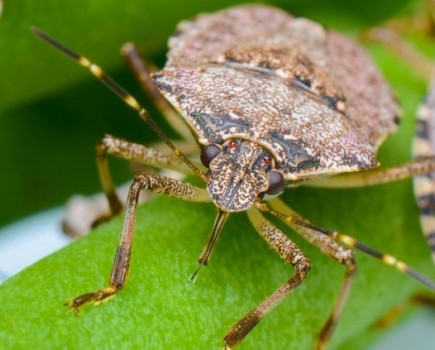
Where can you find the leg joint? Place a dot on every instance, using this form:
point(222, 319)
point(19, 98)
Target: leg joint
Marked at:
point(104, 145)
point(351, 262)
point(302, 267)
point(139, 183)
point(301, 262)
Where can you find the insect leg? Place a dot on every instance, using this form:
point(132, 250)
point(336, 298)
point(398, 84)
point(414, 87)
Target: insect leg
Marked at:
point(134, 152)
point(121, 93)
point(391, 33)
point(390, 38)
point(329, 247)
point(288, 251)
point(149, 182)
point(421, 166)
point(295, 220)
point(143, 70)
point(85, 213)
point(80, 219)
point(332, 246)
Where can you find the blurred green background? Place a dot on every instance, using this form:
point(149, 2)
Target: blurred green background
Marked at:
point(52, 113)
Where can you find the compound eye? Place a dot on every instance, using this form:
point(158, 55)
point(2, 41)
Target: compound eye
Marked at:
point(232, 144)
point(276, 182)
point(209, 152)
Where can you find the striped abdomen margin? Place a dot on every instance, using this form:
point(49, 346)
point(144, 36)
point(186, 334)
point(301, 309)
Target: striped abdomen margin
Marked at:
point(424, 185)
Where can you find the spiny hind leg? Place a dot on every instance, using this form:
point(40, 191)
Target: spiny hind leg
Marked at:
point(291, 254)
point(120, 269)
point(327, 246)
point(84, 213)
point(143, 71)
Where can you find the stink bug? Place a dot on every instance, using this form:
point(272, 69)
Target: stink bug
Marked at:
point(273, 102)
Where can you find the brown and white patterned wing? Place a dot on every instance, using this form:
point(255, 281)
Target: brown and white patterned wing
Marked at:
point(208, 35)
point(310, 95)
point(305, 134)
point(262, 38)
point(322, 61)
point(370, 102)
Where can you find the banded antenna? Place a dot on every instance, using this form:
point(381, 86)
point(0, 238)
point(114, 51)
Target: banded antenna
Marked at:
point(120, 92)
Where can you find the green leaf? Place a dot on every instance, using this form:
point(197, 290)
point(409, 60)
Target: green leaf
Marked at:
point(160, 308)
point(53, 114)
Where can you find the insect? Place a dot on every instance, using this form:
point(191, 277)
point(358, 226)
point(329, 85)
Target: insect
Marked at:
point(273, 102)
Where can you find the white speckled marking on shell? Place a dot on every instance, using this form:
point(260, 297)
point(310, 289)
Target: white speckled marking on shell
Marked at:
point(310, 96)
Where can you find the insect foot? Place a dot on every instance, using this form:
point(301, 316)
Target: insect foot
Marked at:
point(97, 297)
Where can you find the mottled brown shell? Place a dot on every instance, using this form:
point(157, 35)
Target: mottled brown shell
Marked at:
point(310, 96)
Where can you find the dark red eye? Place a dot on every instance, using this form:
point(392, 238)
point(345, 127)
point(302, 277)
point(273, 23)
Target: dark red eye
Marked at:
point(233, 144)
point(267, 160)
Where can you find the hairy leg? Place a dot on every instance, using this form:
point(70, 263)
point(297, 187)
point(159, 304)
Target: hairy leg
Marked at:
point(329, 247)
point(149, 182)
point(136, 153)
point(291, 254)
